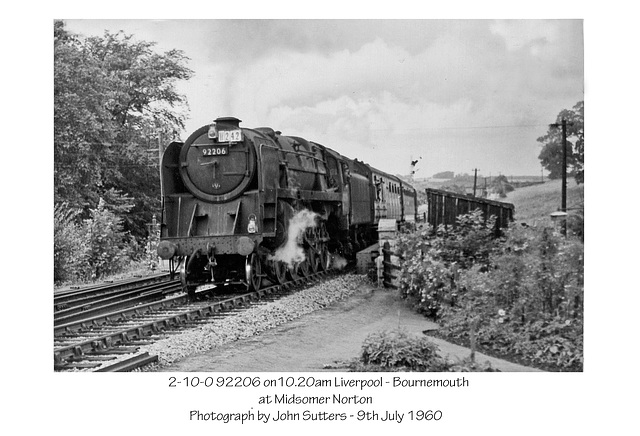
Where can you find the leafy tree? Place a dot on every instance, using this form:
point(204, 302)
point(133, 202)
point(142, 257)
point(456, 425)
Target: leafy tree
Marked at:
point(551, 154)
point(81, 124)
point(444, 175)
point(501, 186)
point(114, 100)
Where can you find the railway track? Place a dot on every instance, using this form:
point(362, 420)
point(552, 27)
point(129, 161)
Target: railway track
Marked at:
point(82, 296)
point(108, 337)
point(90, 307)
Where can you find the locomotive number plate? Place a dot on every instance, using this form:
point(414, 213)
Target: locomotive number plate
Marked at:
point(221, 150)
point(230, 135)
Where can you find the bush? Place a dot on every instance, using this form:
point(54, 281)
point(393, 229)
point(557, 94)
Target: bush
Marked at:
point(69, 254)
point(399, 351)
point(90, 249)
point(528, 303)
point(110, 248)
point(432, 260)
point(523, 292)
point(575, 224)
point(532, 273)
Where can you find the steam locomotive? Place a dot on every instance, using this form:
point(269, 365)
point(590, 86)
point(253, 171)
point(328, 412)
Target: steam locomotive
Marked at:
point(235, 200)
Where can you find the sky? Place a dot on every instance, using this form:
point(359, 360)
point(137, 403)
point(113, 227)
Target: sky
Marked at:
point(455, 95)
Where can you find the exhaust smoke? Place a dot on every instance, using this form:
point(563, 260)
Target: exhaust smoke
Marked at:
point(338, 262)
point(291, 252)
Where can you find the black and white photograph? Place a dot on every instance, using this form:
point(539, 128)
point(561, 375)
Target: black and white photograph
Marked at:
point(359, 194)
point(265, 222)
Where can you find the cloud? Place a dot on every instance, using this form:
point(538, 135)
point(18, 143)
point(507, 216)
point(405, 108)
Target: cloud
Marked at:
point(383, 96)
point(364, 87)
point(248, 40)
point(519, 34)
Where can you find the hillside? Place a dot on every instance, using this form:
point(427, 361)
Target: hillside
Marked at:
point(463, 184)
point(534, 204)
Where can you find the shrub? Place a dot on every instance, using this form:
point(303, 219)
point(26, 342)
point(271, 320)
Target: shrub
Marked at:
point(109, 246)
point(69, 254)
point(533, 273)
point(575, 224)
point(528, 303)
point(93, 248)
point(432, 259)
point(470, 242)
point(523, 292)
point(398, 351)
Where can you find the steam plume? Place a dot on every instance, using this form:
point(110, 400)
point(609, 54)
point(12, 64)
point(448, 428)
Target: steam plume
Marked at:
point(338, 262)
point(292, 252)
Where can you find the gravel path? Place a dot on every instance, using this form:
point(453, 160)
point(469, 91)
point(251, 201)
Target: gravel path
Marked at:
point(255, 320)
point(320, 341)
point(317, 329)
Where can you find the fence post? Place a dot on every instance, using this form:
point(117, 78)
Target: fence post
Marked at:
point(388, 267)
point(386, 262)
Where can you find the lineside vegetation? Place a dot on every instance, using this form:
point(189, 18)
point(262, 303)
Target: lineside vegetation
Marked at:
point(519, 296)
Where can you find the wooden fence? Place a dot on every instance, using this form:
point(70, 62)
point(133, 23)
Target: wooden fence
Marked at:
point(388, 267)
point(444, 207)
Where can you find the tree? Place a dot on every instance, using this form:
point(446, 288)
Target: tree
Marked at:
point(114, 99)
point(501, 186)
point(80, 122)
point(444, 175)
point(551, 153)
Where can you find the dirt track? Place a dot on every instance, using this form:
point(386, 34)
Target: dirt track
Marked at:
point(319, 341)
point(325, 339)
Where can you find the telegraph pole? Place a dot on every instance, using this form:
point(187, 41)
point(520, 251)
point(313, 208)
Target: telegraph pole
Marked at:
point(563, 206)
point(564, 167)
point(475, 179)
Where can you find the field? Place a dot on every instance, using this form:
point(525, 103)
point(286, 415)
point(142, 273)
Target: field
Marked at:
point(534, 204)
